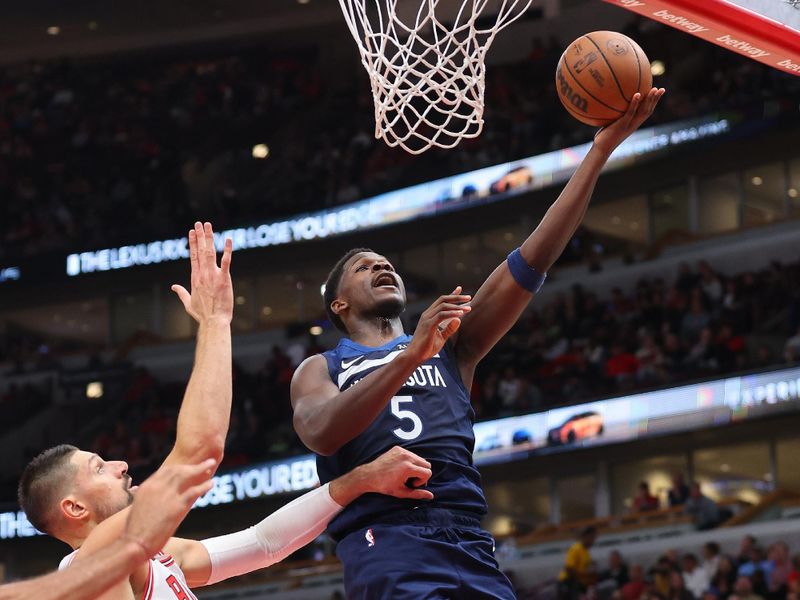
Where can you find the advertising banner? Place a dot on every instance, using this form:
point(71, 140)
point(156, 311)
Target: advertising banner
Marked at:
point(764, 30)
point(490, 184)
point(638, 416)
point(675, 410)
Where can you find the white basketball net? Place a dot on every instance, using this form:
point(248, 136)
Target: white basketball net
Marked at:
point(427, 68)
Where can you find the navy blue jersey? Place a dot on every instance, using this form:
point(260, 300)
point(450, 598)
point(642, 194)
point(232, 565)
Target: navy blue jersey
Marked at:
point(431, 415)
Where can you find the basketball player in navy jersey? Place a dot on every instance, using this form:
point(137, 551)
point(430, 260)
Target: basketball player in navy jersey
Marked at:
point(380, 387)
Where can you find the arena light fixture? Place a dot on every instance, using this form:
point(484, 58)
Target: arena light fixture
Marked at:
point(260, 151)
point(657, 68)
point(266, 311)
point(757, 180)
point(53, 30)
point(240, 300)
point(315, 330)
point(792, 192)
point(94, 389)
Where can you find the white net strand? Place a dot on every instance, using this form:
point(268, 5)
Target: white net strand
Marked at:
point(428, 75)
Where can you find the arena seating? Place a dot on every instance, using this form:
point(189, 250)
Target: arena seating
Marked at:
point(572, 348)
point(100, 154)
point(533, 561)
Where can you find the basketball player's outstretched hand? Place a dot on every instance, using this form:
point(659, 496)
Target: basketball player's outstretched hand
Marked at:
point(211, 298)
point(162, 502)
point(441, 320)
point(639, 110)
point(399, 473)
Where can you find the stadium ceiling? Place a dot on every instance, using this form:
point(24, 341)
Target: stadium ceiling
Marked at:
point(49, 28)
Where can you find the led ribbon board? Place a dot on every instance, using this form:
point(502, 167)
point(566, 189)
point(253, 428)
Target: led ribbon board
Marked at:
point(623, 419)
point(440, 196)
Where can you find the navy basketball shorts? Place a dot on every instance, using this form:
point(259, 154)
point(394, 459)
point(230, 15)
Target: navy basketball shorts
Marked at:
point(425, 554)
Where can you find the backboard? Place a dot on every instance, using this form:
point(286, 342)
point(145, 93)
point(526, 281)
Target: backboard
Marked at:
point(764, 30)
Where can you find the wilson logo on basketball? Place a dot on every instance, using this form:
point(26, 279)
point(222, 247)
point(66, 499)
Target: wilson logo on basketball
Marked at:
point(567, 92)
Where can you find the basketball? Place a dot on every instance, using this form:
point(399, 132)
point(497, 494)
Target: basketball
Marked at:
point(599, 73)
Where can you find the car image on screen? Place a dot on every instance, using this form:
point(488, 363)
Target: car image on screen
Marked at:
point(578, 427)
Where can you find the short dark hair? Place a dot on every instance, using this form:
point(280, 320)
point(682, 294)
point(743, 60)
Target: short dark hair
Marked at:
point(332, 286)
point(43, 480)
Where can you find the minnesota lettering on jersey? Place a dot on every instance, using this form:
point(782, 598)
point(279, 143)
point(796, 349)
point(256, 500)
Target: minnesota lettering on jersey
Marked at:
point(425, 375)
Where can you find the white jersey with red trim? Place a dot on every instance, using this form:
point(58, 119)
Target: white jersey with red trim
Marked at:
point(165, 580)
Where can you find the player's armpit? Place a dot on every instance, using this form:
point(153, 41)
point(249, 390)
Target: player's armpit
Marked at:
point(193, 559)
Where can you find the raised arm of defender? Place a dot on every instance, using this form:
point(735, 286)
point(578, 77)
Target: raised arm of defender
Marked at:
point(205, 412)
point(501, 299)
point(326, 418)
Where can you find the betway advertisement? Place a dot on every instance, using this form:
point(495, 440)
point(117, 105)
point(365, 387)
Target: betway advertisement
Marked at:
point(686, 408)
point(765, 30)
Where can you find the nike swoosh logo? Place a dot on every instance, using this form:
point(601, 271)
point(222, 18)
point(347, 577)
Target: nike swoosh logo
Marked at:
point(347, 365)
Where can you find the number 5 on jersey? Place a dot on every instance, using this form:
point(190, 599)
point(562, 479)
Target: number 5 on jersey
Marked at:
point(406, 415)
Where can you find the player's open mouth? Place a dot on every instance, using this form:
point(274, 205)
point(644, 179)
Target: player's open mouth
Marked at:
point(385, 280)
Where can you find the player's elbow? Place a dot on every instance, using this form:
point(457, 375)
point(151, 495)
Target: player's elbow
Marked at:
point(316, 437)
point(201, 449)
point(319, 444)
point(324, 449)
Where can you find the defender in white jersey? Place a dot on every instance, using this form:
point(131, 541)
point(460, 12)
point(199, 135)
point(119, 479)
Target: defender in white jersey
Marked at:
point(84, 501)
point(273, 539)
point(164, 580)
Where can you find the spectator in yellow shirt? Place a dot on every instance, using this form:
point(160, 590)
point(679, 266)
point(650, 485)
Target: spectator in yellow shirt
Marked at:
point(578, 572)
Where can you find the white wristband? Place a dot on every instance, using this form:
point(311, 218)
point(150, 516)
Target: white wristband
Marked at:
point(283, 532)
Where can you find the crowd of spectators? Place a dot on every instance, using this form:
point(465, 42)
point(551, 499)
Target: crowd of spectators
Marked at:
point(705, 513)
point(755, 572)
point(260, 426)
point(574, 348)
point(105, 153)
point(701, 324)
